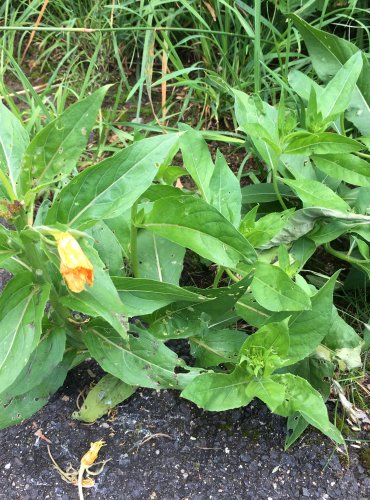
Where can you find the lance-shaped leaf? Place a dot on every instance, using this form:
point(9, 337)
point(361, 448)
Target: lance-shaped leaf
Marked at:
point(47, 355)
point(181, 320)
point(301, 397)
point(108, 247)
point(22, 305)
point(197, 161)
point(316, 194)
point(159, 259)
point(143, 296)
point(192, 223)
point(348, 168)
point(9, 243)
point(267, 390)
point(308, 328)
point(219, 391)
point(15, 409)
point(106, 394)
point(142, 361)
point(253, 114)
point(109, 188)
point(328, 54)
point(305, 143)
point(225, 191)
point(13, 143)
point(55, 150)
point(336, 96)
point(213, 347)
point(274, 290)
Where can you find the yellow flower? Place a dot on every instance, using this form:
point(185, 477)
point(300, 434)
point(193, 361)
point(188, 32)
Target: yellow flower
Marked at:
point(75, 267)
point(89, 458)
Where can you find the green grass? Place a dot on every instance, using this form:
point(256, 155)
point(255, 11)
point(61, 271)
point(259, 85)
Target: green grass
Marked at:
point(204, 48)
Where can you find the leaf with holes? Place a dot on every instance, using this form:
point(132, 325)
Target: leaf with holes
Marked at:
point(22, 305)
point(55, 150)
point(13, 143)
point(112, 186)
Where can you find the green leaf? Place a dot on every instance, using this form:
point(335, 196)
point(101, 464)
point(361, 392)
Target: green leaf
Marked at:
point(22, 305)
point(102, 298)
point(340, 334)
point(315, 194)
point(9, 243)
point(181, 320)
point(296, 425)
point(302, 84)
point(108, 247)
point(109, 188)
point(308, 328)
point(106, 394)
point(273, 289)
point(55, 150)
point(348, 168)
point(251, 311)
point(344, 343)
point(318, 372)
point(262, 193)
point(192, 223)
point(197, 161)
point(142, 361)
point(159, 259)
point(219, 391)
point(267, 227)
point(213, 347)
point(337, 95)
point(225, 191)
point(302, 250)
point(47, 355)
point(328, 54)
point(180, 325)
point(250, 110)
point(121, 229)
point(16, 409)
point(306, 143)
point(143, 296)
point(301, 397)
point(267, 390)
point(13, 143)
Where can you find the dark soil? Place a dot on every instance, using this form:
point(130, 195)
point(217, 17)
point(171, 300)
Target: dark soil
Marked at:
point(192, 454)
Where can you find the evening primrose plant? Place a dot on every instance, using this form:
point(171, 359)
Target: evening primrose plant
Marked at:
point(96, 258)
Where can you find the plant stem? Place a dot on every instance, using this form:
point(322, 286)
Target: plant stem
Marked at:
point(345, 257)
point(276, 189)
point(257, 46)
point(232, 276)
point(133, 243)
point(220, 272)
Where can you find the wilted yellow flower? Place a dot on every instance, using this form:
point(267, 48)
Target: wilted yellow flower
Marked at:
point(89, 458)
point(75, 267)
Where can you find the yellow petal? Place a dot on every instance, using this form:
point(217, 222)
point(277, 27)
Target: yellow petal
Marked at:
point(75, 267)
point(90, 457)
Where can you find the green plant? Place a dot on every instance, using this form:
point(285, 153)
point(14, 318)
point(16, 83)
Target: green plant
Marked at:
point(189, 52)
point(116, 232)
